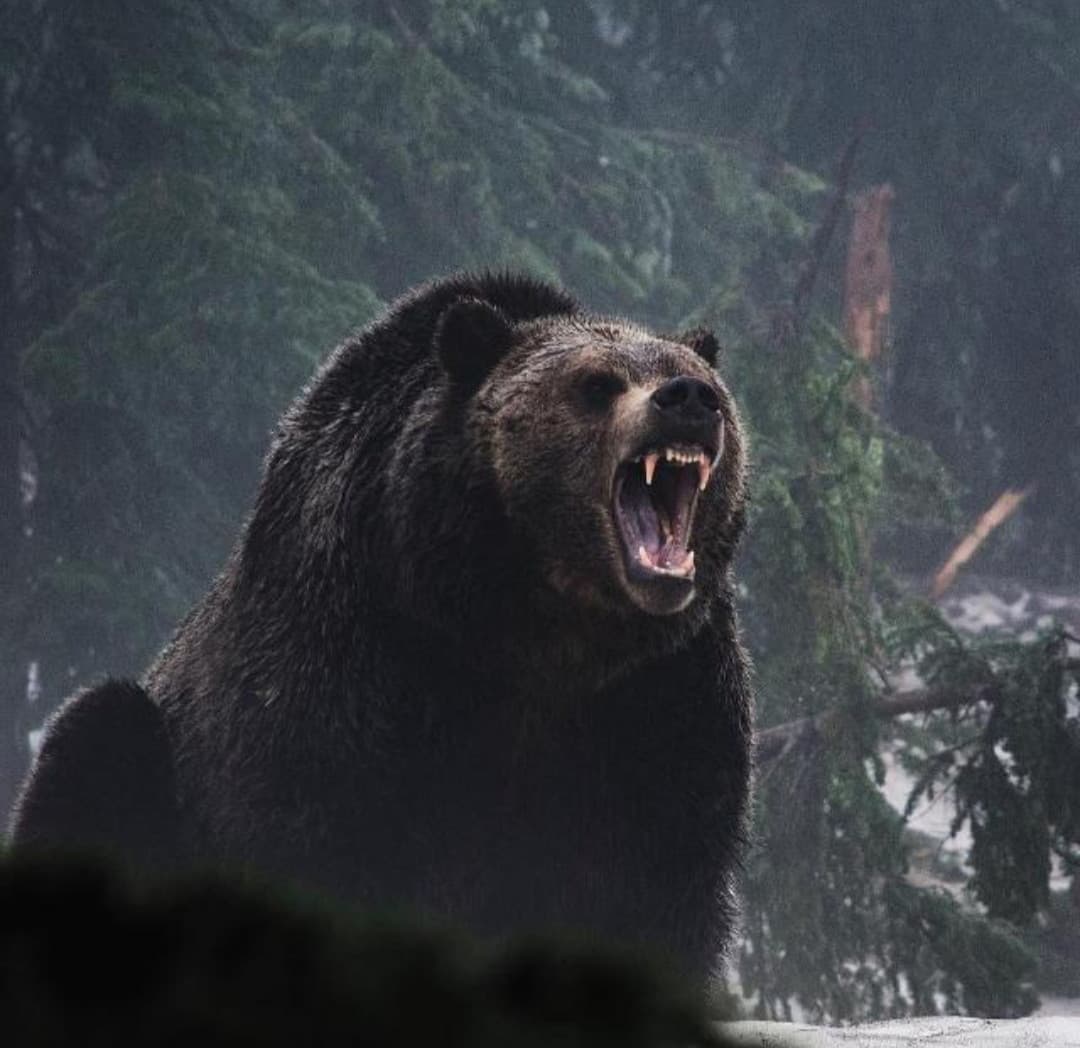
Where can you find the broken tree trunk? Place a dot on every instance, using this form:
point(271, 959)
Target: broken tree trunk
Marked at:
point(868, 279)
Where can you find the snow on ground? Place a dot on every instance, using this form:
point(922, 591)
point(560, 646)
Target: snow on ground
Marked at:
point(942, 1032)
point(979, 604)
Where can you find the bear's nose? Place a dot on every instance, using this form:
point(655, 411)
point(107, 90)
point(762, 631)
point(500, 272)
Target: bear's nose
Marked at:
point(686, 397)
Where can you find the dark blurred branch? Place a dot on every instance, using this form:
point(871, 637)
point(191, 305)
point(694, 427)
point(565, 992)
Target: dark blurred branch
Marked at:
point(788, 323)
point(775, 743)
point(237, 16)
point(408, 34)
point(12, 749)
point(229, 47)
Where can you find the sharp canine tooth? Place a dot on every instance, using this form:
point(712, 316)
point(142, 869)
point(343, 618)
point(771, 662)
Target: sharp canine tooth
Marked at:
point(650, 466)
point(643, 556)
point(703, 473)
point(685, 567)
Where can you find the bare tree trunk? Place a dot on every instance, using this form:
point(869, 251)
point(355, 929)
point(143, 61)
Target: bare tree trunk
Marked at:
point(868, 279)
point(868, 285)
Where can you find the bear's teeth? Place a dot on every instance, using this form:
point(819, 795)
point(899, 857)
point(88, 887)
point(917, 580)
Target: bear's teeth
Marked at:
point(685, 566)
point(703, 472)
point(681, 458)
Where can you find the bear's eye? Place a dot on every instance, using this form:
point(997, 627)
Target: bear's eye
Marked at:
point(600, 388)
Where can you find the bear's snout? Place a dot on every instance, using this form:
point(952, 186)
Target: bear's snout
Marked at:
point(687, 410)
point(686, 397)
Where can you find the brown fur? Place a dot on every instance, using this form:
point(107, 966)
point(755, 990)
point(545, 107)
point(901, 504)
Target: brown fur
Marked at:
point(424, 678)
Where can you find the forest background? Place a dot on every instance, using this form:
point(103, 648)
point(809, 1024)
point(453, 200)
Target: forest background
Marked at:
point(199, 198)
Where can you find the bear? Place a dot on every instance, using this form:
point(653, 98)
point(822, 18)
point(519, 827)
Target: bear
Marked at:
point(475, 652)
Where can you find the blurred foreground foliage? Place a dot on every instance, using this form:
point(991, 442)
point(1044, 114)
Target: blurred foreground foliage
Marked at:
point(210, 961)
point(204, 197)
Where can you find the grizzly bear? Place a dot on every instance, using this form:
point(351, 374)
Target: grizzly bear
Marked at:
point(475, 652)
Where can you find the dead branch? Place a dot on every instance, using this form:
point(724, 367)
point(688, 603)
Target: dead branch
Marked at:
point(789, 321)
point(775, 743)
point(1006, 504)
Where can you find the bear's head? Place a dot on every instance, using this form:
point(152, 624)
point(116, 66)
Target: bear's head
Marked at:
point(617, 455)
point(543, 493)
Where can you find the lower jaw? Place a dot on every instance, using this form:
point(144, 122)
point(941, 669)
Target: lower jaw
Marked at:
point(655, 592)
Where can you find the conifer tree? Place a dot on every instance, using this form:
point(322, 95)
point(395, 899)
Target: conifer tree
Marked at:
point(200, 199)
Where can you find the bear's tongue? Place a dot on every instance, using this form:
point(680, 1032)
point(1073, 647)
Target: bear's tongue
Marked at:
point(655, 518)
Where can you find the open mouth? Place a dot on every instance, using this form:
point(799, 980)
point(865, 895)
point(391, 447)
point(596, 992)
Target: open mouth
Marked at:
point(655, 497)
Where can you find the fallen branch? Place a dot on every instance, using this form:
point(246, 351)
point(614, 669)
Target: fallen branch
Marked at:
point(1006, 504)
point(775, 743)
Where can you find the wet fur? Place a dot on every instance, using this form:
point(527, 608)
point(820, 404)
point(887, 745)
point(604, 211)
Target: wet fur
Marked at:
point(416, 681)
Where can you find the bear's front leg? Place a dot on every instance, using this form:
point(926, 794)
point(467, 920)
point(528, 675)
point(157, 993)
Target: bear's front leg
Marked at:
point(102, 781)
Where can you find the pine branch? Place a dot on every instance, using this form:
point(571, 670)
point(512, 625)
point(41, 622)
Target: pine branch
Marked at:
point(775, 743)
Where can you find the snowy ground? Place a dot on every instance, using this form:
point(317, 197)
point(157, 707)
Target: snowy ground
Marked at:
point(977, 604)
point(942, 1032)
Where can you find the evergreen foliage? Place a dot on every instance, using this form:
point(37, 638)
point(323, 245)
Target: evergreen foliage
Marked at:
point(1013, 763)
point(971, 106)
point(206, 196)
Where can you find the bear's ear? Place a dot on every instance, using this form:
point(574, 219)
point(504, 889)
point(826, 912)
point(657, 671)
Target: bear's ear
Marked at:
point(472, 337)
point(702, 341)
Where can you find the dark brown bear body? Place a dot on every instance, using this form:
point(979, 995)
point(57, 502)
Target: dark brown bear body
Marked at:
point(475, 651)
